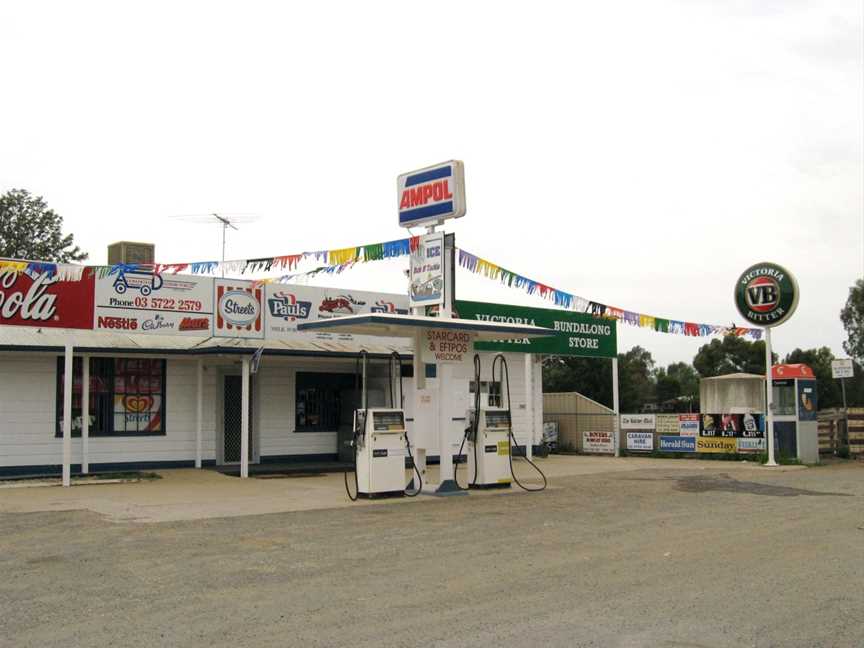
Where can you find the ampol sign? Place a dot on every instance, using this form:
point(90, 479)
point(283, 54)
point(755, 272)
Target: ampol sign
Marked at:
point(431, 195)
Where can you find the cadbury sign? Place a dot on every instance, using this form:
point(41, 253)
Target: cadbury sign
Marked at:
point(40, 299)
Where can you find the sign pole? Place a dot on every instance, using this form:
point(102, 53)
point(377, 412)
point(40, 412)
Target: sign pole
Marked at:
point(769, 415)
point(617, 426)
point(845, 409)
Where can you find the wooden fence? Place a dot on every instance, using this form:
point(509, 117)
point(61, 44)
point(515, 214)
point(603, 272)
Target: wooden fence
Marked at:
point(835, 438)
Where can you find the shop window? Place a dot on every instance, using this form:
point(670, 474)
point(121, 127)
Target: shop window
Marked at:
point(127, 396)
point(320, 399)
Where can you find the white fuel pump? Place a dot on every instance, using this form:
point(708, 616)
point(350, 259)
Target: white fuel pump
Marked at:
point(489, 435)
point(381, 444)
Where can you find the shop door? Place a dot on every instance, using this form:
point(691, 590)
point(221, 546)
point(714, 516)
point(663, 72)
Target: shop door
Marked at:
point(233, 396)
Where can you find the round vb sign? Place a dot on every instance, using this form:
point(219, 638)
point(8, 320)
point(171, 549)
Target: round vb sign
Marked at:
point(766, 294)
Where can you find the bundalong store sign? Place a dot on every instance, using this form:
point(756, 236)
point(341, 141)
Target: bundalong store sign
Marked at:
point(577, 334)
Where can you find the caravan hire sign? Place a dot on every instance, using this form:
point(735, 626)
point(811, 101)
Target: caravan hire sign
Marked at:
point(766, 294)
point(41, 299)
point(431, 195)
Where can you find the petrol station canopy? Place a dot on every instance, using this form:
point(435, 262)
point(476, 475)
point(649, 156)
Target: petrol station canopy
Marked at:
point(389, 325)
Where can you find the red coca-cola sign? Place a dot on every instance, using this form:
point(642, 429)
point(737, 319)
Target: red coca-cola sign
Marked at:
point(40, 299)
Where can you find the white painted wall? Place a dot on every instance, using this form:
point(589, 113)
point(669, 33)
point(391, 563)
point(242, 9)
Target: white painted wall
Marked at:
point(28, 411)
point(463, 373)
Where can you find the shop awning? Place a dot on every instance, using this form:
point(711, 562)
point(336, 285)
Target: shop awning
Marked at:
point(388, 325)
point(53, 340)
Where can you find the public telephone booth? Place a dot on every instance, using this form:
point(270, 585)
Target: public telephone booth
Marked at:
point(796, 429)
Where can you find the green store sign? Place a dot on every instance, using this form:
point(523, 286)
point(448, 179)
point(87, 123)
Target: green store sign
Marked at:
point(578, 334)
point(766, 294)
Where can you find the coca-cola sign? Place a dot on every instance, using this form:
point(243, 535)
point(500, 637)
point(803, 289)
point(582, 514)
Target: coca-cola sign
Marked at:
point(41, 299)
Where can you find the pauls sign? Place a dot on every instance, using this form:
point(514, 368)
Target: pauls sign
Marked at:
point(154, 303)
point(288, 305)
point(39, 299)
point(431, 195)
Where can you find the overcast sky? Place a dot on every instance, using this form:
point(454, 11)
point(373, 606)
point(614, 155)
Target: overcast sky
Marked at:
point(640, 154)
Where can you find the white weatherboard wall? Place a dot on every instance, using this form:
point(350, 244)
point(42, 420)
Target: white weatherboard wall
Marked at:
point(27, 411)
point(28, 415)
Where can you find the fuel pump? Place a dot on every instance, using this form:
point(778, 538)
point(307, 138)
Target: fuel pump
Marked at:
point(380, 442)
point(489, 434)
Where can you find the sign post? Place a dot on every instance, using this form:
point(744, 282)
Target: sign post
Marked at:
point(769, 402)
point(841, 369)
point(428, 197)
point(766, 294)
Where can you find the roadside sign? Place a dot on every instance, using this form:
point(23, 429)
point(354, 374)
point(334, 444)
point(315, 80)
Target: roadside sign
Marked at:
point(766, 294)
point(842, 368)
point(431, 195)
point(638, 422)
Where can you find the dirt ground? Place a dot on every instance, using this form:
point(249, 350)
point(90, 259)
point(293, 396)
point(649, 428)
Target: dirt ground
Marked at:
point(628, 553)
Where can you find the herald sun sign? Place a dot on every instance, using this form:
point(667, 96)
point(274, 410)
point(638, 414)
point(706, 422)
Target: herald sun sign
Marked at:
point(431, 195)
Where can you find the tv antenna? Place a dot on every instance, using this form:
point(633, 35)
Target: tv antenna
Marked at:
point(225, 220)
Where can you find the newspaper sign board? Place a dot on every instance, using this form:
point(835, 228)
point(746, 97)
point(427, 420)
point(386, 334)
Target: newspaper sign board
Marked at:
point(598, 442)
point(677, 444)
point(640, 441)
point(638, 421)
point(688, 425)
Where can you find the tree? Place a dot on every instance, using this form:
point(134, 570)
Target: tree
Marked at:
point(828, 389)
point(819, 360)
point(30, 230)
point(591, 377)
point(636, 386)
point(852, 317)
point(731, 355)
point(678, 382)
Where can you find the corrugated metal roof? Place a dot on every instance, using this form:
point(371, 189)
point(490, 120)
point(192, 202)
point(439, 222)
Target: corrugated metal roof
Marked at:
point(736, 376)
point(388, 324)
point(28, 338)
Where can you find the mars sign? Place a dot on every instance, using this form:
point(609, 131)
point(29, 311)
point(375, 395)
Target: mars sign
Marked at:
point(766, 294)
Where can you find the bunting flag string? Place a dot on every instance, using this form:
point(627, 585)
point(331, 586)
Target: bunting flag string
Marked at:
point(339, 257)
point(62, 271)
point(477, 265)
point(338, 260)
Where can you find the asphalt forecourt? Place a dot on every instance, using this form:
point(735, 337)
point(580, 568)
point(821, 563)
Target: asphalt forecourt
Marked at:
point(630, 552)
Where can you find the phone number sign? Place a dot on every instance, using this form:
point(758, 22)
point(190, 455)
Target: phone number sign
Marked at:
point(144, 302)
